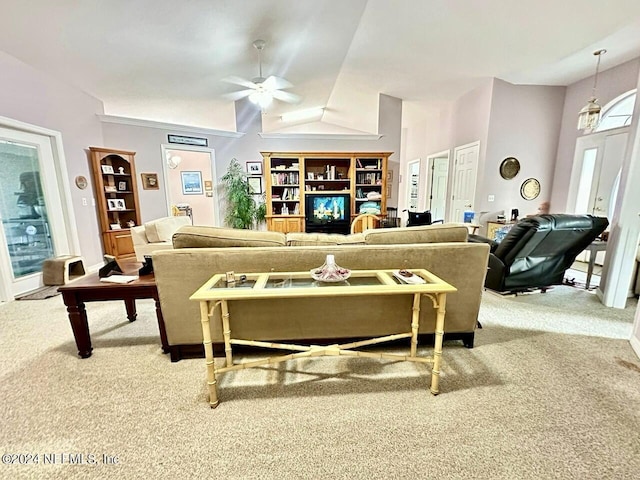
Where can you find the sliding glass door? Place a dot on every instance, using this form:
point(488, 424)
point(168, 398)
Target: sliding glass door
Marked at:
point(25, 232)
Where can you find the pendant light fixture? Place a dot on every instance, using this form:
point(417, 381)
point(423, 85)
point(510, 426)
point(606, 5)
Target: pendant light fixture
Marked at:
point(590, 113)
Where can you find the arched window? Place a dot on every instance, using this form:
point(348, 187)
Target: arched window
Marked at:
point(618, 112)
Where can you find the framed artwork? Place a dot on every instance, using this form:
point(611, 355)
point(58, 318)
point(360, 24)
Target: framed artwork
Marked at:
point(389, 175)
point(254, 168)
point(208, 186)
point(110, 188)
point(255, 184)
point(388, 191)
point(191, 183)
point(115, 226)
point(107, 169)
point(116, 204)
point(122, 186)
point(183, 140)
point(150, 181)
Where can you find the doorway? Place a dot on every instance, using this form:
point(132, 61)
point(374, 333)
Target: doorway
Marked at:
point(438, 168)
point(190, 183)
point(35, 212)
point(465, 172)
point(413, 192)
point(596, 176)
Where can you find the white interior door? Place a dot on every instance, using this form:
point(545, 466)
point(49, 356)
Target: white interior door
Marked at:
point(439, 169)
point(32, 226)
point(465, 172)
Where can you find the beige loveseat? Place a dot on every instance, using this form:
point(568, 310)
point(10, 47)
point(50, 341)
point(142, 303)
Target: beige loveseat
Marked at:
point(201, 252)
point(156, 235)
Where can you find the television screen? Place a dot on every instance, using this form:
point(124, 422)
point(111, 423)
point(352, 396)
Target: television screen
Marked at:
point(328, 208)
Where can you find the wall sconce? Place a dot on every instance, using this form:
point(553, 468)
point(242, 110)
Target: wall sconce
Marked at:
point(173, 160)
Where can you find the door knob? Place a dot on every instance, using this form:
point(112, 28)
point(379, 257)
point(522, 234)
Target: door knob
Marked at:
point(468, 206)
point(599, 199)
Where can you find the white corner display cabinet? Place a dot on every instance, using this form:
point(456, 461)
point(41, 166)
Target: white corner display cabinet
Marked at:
point(114, 176)
point(323, 191)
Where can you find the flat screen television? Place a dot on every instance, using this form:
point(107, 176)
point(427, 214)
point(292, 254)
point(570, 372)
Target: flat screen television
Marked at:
point(328, 213)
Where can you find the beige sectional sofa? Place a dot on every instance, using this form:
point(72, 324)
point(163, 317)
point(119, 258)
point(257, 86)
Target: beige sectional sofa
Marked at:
point(200, 252)
point(156, 235)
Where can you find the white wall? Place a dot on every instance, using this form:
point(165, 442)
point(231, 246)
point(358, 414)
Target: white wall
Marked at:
point(611, 83)
point(32, 97)
point(524, 123)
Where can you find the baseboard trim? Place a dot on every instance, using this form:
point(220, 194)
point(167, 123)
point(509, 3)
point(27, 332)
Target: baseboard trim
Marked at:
point(635, 344)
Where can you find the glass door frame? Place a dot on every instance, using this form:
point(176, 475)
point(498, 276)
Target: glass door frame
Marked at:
point(57, 191)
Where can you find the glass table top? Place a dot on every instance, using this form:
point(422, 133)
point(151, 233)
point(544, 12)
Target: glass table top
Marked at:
point(297, 282)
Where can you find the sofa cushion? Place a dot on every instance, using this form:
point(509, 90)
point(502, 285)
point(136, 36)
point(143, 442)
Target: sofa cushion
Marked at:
point(198, 237)
point(419, 234)
point(162, 229)
point(310, 239)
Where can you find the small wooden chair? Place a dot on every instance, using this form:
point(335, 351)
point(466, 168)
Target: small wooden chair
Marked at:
point(363, 222)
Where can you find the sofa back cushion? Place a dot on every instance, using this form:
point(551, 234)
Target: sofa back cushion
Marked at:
point(419, 234)
point(200, 237)
point(310, 239)
point(162, 229)
point(180, 272)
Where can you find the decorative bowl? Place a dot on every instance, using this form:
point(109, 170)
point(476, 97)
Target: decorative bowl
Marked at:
point(330, 272)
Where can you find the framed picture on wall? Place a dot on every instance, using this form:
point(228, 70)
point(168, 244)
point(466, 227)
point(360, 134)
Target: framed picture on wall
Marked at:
point(191, 183)
point(254, 168)
point(255, 184)
point(150, 181)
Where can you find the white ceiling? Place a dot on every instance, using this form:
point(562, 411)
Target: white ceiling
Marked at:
point(164, 60)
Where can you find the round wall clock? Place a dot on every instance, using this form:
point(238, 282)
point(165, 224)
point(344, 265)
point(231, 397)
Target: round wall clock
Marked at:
point(530, 189)
point(81, 182)
point(509, 168)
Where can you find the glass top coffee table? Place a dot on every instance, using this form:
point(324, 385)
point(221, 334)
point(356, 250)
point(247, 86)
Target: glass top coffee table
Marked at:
point(217, 292)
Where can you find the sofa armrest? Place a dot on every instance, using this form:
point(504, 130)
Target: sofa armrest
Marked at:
point(138, 235)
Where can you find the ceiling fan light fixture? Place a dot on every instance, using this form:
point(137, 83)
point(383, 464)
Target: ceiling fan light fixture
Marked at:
point(261, 98)
point(589, 115)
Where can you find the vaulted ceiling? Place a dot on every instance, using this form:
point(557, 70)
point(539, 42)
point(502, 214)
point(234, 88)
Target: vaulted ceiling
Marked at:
point(164, 60)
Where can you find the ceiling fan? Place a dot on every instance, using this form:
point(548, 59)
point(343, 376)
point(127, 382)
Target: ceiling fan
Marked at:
point(260, 90)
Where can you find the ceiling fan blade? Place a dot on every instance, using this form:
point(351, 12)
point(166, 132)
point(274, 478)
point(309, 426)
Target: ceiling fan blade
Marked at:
point(238, 95)
point(276, 83)
point(286, 96)
point(240, 81)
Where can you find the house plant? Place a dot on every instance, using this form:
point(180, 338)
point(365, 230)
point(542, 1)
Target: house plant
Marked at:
point(242, 210)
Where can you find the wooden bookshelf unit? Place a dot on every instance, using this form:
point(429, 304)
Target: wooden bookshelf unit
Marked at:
point(114, 177)
point(293, 179)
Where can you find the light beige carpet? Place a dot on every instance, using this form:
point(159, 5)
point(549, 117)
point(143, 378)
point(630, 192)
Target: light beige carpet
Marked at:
point(551, 390)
